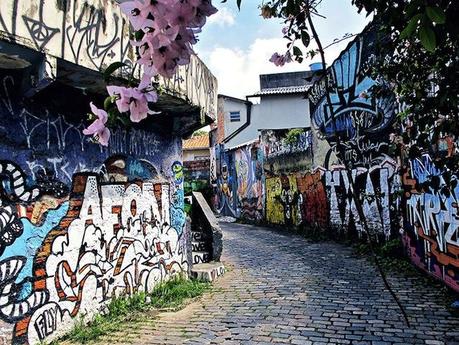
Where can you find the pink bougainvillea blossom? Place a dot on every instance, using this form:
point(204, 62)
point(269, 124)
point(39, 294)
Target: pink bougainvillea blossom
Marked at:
point(281, 60)
point(137, 12)
point(133, 100)
point(170, 28)
point(97, 129)
point(165, 31)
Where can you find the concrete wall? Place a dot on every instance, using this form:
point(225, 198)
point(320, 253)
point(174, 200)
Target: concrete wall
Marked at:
point(282, 111)
point(229, 105)
point(79, 223)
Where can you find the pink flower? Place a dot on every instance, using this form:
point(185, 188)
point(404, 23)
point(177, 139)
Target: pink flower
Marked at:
point(170, 28)
point(281, 60)
point(97, 129)
point(123, 97)
point(138, 12)
point(181, 14)
point(134, 100)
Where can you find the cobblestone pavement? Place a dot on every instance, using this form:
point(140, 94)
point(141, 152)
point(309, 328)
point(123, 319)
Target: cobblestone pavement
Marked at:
point(283, 289)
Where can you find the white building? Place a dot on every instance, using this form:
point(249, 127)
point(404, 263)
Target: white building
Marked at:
point(282, 105)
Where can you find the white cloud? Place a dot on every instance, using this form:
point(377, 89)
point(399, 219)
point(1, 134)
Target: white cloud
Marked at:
point(238, 70)
point(224, 17)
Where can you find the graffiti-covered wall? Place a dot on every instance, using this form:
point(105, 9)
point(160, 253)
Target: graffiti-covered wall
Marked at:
point(240, 182)
point(79, 223)
point(431, 224)
point(363, 123)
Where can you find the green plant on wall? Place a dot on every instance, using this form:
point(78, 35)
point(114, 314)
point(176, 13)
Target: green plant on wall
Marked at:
point(293, 135)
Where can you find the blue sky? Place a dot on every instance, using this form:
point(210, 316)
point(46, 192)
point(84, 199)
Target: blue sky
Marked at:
point(237, 45)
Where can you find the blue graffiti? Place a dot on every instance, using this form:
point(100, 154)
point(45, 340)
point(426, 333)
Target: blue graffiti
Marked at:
point(30, 241)
point(177, 214)
point(140, 169)
point(423, 169)
point(353, 107)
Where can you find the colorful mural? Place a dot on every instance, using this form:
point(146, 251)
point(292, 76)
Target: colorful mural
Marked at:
point(226, 194)
point(240, 183)
point(80, 224)
point(249, 172)
point(361, 120)
point(431, 222)
point(104, 240)
point(313, 201)
point(282, 201)
point(377, 188)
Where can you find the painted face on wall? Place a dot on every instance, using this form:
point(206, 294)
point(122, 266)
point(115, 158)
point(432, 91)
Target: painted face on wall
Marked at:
point(177, 169)
point(225, 172)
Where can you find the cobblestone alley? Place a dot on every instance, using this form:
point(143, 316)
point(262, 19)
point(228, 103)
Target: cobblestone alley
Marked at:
point(282, 289)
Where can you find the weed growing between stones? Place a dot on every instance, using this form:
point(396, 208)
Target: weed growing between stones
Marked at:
point(172, 294)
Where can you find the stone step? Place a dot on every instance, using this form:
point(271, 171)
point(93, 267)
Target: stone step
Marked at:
point(208, 271)
point(200, 257)
point(197, 246)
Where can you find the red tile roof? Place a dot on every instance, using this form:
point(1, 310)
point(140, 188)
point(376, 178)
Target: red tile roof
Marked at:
point(199, 142)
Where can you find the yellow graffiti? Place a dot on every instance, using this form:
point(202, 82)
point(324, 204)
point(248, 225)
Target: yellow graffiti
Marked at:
point(274, 208)
point(281, 200)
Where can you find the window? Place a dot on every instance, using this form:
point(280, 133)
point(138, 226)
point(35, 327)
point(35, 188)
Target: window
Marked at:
point(235, 116)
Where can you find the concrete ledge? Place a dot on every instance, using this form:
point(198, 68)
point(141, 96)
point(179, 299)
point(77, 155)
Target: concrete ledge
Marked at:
point(215, 230)
point(209, 272)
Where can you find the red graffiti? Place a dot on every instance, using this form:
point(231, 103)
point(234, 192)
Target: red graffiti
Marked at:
point(314, 208)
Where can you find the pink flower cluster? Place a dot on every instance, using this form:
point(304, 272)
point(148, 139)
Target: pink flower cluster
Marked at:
point(133, 100)
point(281, 60)
point(165, 31)
point(169, 29)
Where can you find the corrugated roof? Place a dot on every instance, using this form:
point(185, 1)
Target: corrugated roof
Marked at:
point(199, 142)
point(283, 90)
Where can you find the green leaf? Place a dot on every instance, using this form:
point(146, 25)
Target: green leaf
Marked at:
point(112, 68)
point(123, 120)
point(107, 103)
point(297, 51)
point(413, 7)
point(427, 37)
point(138, 35)
point(411, 27)
point(436, 15)
point(305, 38)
